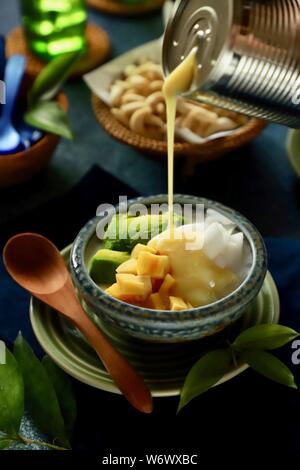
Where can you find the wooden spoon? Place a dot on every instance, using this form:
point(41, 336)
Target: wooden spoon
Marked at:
point(37, 265)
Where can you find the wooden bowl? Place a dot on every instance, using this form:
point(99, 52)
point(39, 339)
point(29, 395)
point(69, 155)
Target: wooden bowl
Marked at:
point(19, 167)
point(98, 49)
point(115, 8)
point(193, 152)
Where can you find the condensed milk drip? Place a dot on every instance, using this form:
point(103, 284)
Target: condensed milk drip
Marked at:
point(178, 82)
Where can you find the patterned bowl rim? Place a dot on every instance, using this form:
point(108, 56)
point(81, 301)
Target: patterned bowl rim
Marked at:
point(240, 297)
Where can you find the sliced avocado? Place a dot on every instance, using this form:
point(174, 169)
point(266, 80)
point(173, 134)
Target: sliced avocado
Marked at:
point(116, 234)
point(124, 232)
point(104, 264)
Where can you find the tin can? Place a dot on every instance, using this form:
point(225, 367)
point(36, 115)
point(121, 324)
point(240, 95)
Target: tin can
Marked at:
point(248, 54)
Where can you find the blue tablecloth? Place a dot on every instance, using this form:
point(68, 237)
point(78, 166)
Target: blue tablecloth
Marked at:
point(247, 412)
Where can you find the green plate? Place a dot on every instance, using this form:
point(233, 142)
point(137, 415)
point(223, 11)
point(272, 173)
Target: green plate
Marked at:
point(163, 366)
point(293, 148)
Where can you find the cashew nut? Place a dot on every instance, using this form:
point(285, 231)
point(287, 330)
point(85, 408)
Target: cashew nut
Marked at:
point(116, 93)
point(130, 108)
point(129, 97)
point(138, 120)
point(155, 98)
point(156, 85)
point(130, 69)
point(120, 116)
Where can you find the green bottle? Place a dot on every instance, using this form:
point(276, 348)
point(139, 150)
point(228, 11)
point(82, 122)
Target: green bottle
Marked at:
point(54, 27)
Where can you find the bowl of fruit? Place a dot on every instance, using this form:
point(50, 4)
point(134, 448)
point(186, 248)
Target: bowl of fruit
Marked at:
point(168, 277)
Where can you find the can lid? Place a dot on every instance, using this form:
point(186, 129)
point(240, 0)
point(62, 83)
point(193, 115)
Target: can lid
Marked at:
point(203, 23)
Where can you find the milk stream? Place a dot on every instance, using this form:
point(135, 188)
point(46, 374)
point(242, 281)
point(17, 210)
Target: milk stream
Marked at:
point(178, 82)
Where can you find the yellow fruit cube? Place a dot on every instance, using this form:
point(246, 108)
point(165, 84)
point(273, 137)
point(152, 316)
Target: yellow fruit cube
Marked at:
point(130, 284)
point(167, 285)
point(114, 291)
point(128, 267)
point(154, 244)
point(152, 265)
point(139, 248)
point(176, 303)
point(156, 302)
point(189, 305)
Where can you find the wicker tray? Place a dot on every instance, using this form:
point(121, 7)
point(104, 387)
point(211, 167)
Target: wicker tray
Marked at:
point(115, 8)
point(98, 49)
point(194, 152)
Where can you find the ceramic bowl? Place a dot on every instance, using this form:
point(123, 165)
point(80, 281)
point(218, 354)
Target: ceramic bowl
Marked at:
point(169, 326)
point(16, 168)
point(293, 149)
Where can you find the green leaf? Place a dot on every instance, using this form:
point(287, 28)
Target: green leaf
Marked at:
point(40, 397)
point(264, 337)
point(204, 374)
point(52, 77)
point(11, 395)
point(50, 117)
point(5, 440)
point(269, 366)
point(64, 392)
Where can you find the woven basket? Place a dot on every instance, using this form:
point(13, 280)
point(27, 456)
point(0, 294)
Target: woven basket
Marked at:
point(19, 167)
point(116, 8)
point(194, 152)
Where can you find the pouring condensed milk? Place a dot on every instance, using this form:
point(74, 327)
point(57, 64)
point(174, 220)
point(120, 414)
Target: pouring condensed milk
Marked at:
point(177, 83)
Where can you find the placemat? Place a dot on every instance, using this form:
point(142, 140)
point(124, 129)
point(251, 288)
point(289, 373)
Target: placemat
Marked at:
point(248, 415)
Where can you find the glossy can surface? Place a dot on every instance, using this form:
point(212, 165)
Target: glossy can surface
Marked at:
point(248, 54)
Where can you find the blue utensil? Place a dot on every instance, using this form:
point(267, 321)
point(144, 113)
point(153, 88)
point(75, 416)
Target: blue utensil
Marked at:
point(10, 139)
point(2, 57)
point(29, 135)
point(2, 67)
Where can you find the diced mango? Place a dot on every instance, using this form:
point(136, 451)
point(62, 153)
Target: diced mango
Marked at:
point(130, 284)
point(176, 303)
point(152, 265)
point(156, 284)
point(153, 244)
point(139, 248)
point(129, 267)
point(167, 285)
point(156, 302)
point(115, 292)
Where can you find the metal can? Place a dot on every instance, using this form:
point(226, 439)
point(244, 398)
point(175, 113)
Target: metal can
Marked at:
point(248, 54)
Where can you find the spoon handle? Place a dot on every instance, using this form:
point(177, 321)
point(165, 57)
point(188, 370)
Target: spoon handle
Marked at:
point(123, 374)
point(14, 72)
point(2, 57)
